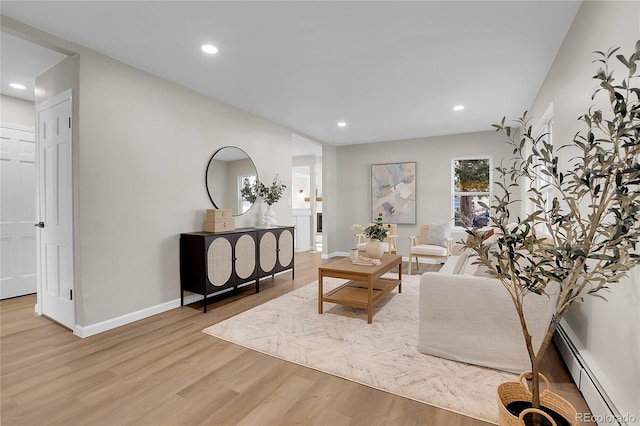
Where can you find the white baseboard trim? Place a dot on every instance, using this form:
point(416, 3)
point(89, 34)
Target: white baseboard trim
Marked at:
point(603, 410)
point(101, 327)
point(338, 254)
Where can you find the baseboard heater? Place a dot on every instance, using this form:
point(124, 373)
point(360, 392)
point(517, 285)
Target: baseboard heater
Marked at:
point(603, 411)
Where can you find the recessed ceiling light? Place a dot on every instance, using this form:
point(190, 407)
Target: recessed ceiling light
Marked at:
point(458, 107)
point(18, 86)
point(342, 124)
point(209, 48)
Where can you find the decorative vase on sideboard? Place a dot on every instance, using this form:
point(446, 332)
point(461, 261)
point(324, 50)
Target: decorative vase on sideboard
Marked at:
point(270, 216)
point(374, 248)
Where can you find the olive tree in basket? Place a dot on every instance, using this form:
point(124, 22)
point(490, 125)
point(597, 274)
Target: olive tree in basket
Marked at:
point(584, 238)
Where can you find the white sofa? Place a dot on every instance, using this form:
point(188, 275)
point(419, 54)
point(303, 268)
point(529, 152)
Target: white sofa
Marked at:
point(468, 316)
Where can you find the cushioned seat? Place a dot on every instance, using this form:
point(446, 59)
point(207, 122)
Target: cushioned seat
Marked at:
point(434, 245)
point(429, 250)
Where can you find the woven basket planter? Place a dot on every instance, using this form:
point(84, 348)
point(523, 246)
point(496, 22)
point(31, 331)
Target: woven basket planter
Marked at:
point(509, 392)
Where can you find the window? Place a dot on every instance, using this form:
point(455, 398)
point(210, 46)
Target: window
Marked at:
point(251, 180)
point(471, 186)
point(542, 182)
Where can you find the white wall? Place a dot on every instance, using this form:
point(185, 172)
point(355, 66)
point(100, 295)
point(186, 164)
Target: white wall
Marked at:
point(144, 148)
point(608, 333)
point(300, 181)
point(433, 179)
point(142, 145)
point(330, 195)
point(17, 111)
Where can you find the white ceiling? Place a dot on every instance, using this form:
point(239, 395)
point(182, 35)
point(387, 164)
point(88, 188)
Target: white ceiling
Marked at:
point(390, 69)
point(302, 147)
point(21, 62)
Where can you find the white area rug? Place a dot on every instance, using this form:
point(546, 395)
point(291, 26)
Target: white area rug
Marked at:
point(382, 355)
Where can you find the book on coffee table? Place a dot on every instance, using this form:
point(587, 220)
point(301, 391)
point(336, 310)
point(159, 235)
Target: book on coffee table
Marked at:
point(366, 261)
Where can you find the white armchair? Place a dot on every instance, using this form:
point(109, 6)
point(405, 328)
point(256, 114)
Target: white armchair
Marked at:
point(421, 246)
point(389, 243)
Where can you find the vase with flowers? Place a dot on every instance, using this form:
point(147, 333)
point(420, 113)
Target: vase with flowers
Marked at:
point(376, 232)
point(271, 194)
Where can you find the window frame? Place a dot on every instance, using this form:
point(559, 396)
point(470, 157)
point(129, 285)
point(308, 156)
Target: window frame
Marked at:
point(542, 125)
point(455, 193)
point(540, 180)
point(242, 201)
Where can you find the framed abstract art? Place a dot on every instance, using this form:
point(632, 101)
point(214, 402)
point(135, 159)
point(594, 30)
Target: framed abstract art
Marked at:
point(393, 192)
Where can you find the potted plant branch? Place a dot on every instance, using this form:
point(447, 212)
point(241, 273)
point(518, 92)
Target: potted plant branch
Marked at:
point(584, 240)
point(271, 194)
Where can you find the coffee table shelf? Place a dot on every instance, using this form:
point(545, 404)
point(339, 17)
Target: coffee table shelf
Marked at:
point(365, 287)
point(356, 293)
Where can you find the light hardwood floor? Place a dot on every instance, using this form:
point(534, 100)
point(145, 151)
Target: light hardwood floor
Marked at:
point(164, 371)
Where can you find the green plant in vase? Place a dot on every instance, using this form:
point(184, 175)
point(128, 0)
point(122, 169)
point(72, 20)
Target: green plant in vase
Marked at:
point(271, 194)
point(376, 232)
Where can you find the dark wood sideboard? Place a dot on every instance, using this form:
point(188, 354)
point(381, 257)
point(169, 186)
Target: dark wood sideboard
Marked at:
point(214, 263)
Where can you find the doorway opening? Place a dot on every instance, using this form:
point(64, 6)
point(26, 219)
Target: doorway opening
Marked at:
point(307, 194)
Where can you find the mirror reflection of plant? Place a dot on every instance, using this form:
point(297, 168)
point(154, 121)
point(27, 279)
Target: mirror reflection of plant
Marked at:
point(593, 224)
point(249, 190)
point(271, 194)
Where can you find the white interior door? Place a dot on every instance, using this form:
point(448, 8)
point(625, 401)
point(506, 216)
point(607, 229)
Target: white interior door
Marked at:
point(17, 211)
point(55, 206)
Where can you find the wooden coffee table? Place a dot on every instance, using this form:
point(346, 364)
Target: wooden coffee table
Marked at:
point(365, 288)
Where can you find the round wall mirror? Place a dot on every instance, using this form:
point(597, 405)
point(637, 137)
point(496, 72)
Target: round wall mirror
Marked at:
point(230, 170)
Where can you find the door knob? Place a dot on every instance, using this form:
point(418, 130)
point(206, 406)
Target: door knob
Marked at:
point(39, 224)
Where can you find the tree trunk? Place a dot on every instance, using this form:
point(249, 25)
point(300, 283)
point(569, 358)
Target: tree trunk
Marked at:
point(466, 210)
point(535, 390)
point(536, 360)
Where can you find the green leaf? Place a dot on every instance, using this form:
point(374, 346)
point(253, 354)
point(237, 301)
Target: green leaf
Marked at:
point(622, 59)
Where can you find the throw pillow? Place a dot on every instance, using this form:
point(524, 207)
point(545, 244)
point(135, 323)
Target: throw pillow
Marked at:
point(471, 266)
point(486, 232)
point(462, 259)
point(483, 271)
point(438, 234)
